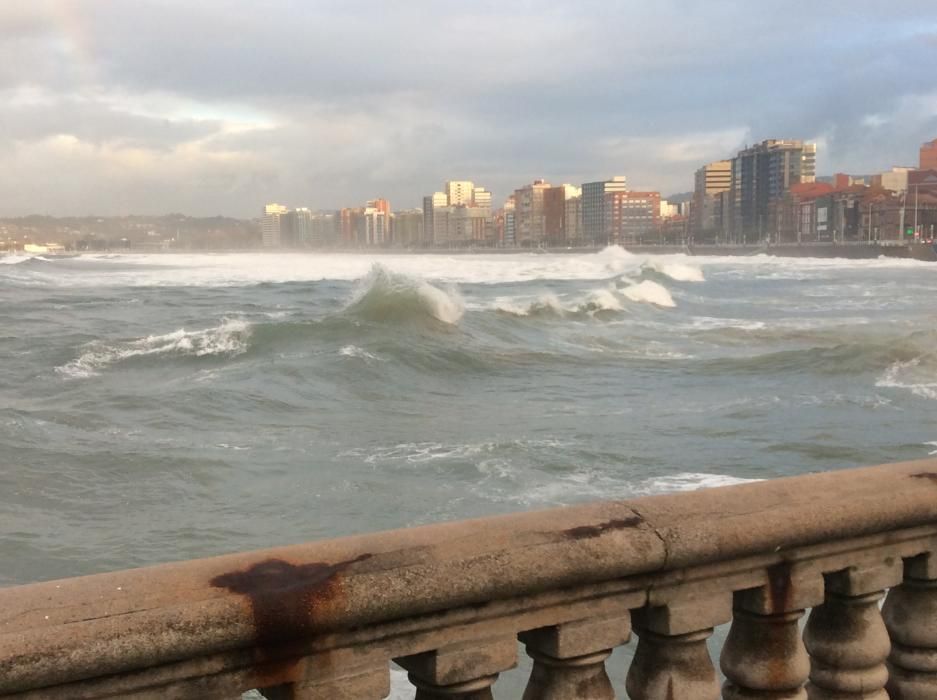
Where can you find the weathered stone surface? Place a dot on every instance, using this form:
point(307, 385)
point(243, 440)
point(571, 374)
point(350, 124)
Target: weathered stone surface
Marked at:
point(848, 646)
point(248, 620)
point(569, 660)
point(910, 614)
point(462, 671)
point(672, 668)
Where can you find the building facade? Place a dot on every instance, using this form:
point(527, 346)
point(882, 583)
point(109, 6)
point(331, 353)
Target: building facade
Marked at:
point(596, 212)
point(761, 174)
point(710, 181)
point(529, 219)
point(271, 225)
point(928, 159)
point(561, 210)
point(634, 216)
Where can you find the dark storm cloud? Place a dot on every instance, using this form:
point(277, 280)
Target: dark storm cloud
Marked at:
point(216, 107)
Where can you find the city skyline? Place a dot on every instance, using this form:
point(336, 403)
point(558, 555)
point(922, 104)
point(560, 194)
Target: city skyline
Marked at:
point(112, 109)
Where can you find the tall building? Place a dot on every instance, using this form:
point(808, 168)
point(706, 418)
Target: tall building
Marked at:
point(407, 228)
point(446, 223)
point(929, 156)
point(459, 192)
point(710, 180)
point(561, 209)
point(761, 174)
point(596, 214)
point(325, 229)
point(434, 224)
point(634, 215)
point(481, 197)
point(349, 226)
point(381, 205)
point(296, 228)
point(529, 219)
point(372, 227)
point(270, 225)
point(508, 236)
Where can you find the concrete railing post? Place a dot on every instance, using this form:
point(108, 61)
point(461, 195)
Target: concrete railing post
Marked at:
point(764, 655)
point(672, 660)
point(910, 614)
point(846, 636)
point(463, 671)
point(569, 659)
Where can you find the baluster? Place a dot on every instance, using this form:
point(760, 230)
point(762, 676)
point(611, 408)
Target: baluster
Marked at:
point(846, 636)
point(569, 659)
point(910, 614)
point(463, 671)
point(764, 656)
point(672, 661)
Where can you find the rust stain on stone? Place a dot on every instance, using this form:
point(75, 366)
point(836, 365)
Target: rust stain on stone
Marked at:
point(930, 476)
point(779, 586)
point(780, 589)
point(284, 598)
point(587, 531)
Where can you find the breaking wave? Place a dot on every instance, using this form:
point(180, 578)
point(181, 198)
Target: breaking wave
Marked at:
point(228, 339)
point(649, 292)
point(389, 296)
point(550, 305)
point(14, 259)
point(677, 271)
point(912, 376)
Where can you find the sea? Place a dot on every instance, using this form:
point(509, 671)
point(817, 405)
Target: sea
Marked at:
point(157, 407)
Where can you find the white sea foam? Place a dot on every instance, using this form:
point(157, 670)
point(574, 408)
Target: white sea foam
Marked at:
point(14, 259)
point(359, 353)
point(229, 338)
point(400, 686)
point(601, 300)
point(678, 271)
point(688, 481)
point(233, 269)
point(650, 292)
point(589, 484)
point(910, 376)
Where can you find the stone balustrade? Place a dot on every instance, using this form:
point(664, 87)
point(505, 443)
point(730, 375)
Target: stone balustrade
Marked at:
point(797, 565)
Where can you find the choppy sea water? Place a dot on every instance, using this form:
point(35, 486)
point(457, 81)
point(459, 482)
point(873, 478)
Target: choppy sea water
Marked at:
point(161, 407)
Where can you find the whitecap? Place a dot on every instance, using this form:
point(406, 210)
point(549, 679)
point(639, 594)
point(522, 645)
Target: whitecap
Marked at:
point(677, 271)
point(908, 375)
point(650, 292)
point(357, 352)
point(601, 300)
point(230, 338)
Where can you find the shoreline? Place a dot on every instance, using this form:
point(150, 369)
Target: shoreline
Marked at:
point(926, 252)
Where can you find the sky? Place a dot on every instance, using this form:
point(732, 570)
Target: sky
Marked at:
point(113, 107)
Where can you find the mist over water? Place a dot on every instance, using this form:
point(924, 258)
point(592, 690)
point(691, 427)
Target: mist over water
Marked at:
point(160, 407)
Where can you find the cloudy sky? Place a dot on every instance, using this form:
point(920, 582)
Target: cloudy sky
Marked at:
point(217, 106)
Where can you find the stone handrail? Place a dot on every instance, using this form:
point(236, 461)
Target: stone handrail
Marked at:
point(449, 602)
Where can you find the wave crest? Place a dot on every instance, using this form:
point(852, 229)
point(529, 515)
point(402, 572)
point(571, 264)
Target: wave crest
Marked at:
point(649, 292)
point(677, 271)
point(230, 338)
point(910, 375)
point(389, 296)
